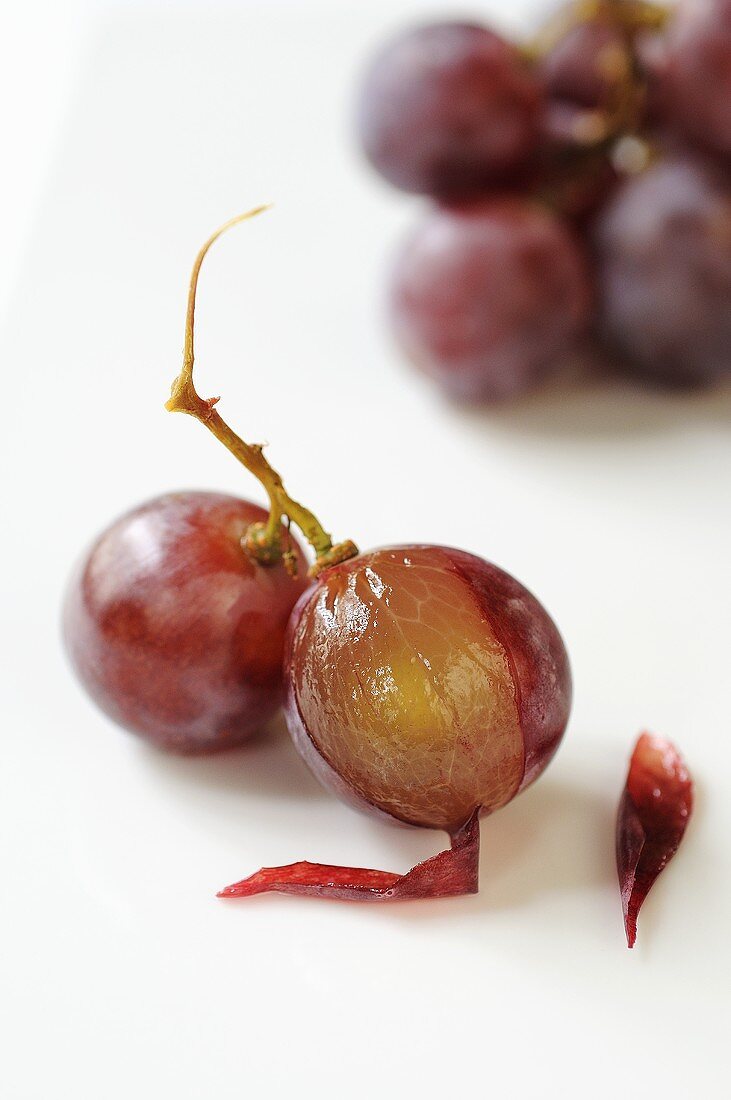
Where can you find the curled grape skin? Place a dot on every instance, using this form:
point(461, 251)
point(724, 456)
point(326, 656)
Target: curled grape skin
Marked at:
point(663, 249)
point(174, 631)
point(448, 108)
point(425, 684)
point(487, 297)
point(695, 78)
point(654, 812)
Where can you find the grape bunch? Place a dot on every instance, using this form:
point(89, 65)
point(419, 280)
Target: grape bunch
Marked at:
point(581, 194)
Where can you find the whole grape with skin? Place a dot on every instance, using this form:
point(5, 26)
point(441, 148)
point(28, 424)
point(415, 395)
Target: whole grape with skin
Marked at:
point(174, 630)
point(488, 297)
point(588, 64)
point(695, 73)
point(663, 255)
point(448, 108)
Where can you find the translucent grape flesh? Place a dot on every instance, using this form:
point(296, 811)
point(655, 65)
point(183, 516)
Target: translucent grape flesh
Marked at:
point(427, 683)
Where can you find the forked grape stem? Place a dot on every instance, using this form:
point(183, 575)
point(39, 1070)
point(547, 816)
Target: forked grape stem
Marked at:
point(262, 541)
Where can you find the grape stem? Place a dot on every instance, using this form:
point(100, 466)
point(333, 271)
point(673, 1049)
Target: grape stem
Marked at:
point(264, 542)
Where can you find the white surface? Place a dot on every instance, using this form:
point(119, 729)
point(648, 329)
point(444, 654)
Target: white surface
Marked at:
point(121, 974)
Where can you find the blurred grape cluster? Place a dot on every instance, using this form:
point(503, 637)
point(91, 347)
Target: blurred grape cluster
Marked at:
point(580, 190)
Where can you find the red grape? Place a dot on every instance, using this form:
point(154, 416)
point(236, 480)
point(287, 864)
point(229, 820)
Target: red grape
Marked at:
point(174, 630)
point(588, 73)
point(664, 266)
point(589, 64)
point(426, 683)
point(488, 297)
point(448, 108)
point(696, 77)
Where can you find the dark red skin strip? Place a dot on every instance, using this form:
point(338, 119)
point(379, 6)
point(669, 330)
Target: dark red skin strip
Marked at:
point(452, 873)
point(654, 810)
point(535, 651)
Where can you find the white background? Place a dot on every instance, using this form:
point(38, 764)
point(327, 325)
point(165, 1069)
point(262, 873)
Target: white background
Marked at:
point(130, 132)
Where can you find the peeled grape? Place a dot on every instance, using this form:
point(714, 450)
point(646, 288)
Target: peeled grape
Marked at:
point(174, 630)
point(696, 78)
point(488, 297)
point(663, 250)
point(448, 108)
point(425, 683)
